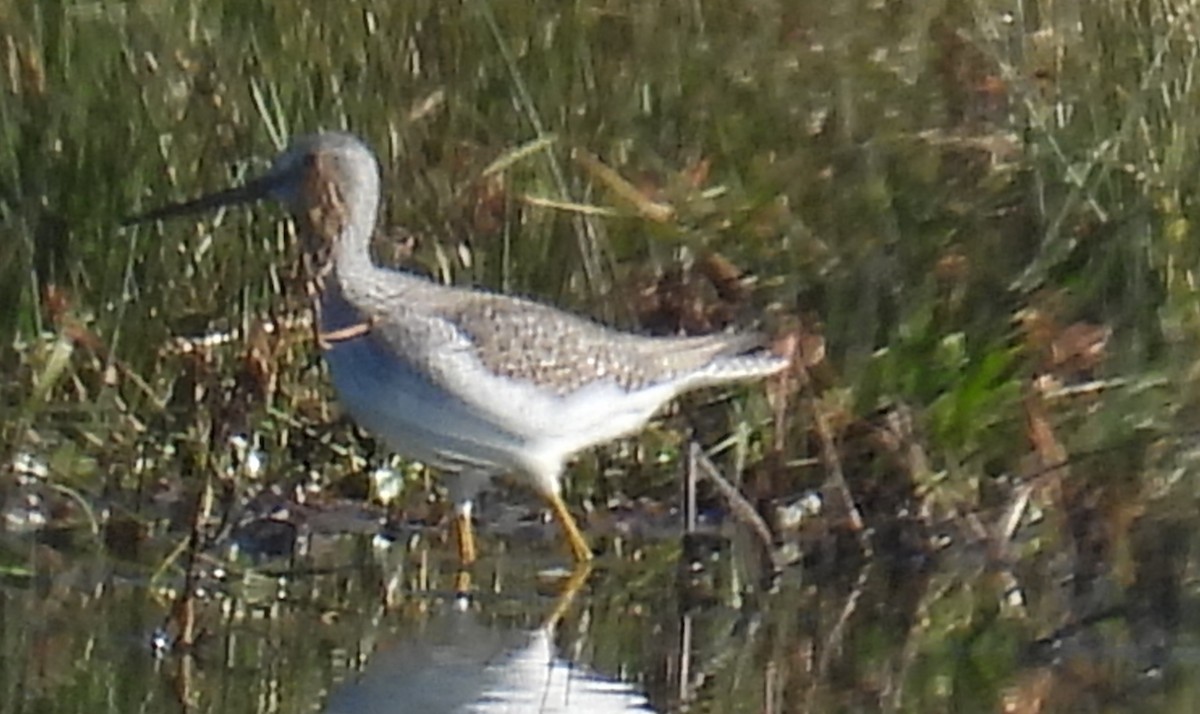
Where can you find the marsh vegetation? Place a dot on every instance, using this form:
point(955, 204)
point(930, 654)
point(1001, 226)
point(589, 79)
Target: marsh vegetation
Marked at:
point(970, 223)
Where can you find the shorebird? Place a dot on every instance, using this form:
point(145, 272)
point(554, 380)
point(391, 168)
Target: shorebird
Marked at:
point(474, 383)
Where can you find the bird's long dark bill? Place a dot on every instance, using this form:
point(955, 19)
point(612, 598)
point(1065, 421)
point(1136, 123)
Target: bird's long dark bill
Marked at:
point(253, 190)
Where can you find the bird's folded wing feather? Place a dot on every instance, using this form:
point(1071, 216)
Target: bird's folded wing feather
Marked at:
point(553, 350)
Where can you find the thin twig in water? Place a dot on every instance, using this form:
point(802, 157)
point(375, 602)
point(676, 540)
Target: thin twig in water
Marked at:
point(738, 505)
point(833, 643)
point(689, 488)
point(833, 467)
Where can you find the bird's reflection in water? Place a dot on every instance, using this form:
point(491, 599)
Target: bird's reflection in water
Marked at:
point(458, 662)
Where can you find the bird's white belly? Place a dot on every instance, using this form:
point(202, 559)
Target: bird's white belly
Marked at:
point(387, 396)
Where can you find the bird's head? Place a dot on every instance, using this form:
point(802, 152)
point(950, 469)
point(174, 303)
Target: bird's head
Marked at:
point(326, 180)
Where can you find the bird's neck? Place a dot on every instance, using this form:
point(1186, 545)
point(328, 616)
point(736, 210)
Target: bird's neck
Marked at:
point(349, 288)
point(351, 247)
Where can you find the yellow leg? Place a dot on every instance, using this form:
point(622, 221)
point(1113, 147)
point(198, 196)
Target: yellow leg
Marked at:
point(579, 547)
point(567, 592)
point(465, 535)
point(462, 583)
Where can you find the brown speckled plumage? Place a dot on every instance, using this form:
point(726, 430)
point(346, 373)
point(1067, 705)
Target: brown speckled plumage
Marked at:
point(524, 340)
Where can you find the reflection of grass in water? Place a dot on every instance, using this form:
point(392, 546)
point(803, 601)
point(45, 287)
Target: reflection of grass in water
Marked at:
point(947, 194)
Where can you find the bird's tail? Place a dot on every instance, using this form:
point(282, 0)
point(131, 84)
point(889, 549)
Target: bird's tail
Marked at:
point(740, 367)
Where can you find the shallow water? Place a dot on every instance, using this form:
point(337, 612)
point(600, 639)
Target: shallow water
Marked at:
point(357, 627)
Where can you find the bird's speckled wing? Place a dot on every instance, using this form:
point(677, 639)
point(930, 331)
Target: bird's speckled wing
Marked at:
point(524, 340)
point(527, 341)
